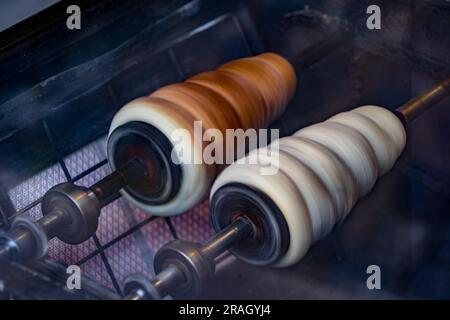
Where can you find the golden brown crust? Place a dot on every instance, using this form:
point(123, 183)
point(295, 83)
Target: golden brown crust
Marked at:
point(234, 92)
point(285, 68)
point(215, 104)
point(255, 77)
point(286, 76)
point(181, 99)
point(245, 93)
point(181, 115)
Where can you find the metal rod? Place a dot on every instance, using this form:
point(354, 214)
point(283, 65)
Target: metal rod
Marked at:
point(137, 294)
point(107, 189)
point(19, 240)
point(52, 222)
point(5, 251)
point(173, 276)
point(226, 238)
point(21, 243)
point(170, 277)
point(417, 106)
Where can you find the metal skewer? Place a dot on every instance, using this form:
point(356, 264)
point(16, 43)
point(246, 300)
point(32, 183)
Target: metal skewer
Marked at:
point(70, 213)
point(184, 269)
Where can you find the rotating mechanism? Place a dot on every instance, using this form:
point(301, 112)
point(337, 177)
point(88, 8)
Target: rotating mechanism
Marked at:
point(245, 93)
point(322, 171)
point(70, 212)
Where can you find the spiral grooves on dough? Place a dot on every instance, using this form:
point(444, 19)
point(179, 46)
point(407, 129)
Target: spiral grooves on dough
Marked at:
point(244, 93)
point(323, 170)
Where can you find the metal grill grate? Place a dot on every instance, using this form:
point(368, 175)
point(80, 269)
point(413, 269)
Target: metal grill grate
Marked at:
point(127, 238)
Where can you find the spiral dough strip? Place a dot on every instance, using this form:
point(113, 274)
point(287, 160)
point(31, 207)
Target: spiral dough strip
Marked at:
point(245, 93)
point(323, 170)
point(269, 207)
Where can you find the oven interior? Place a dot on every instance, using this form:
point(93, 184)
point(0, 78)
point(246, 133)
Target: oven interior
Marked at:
point(59, 90)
